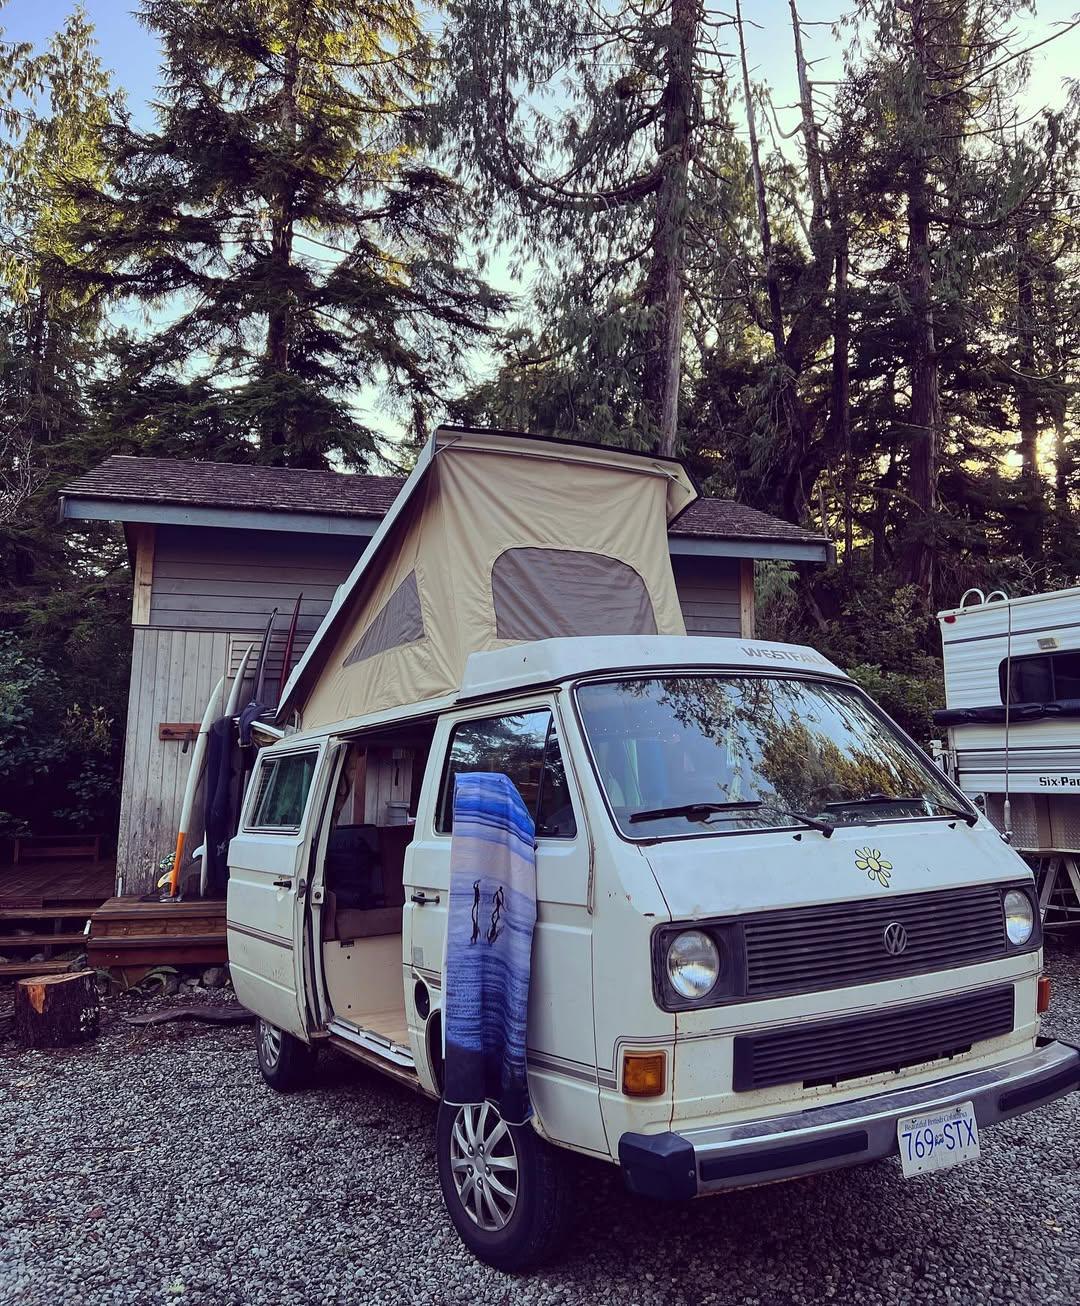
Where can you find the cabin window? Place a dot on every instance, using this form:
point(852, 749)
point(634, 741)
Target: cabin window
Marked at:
point(399, 621)
point(523, 746)
point(543, 593)
point(283, 787)
point(1043, 678)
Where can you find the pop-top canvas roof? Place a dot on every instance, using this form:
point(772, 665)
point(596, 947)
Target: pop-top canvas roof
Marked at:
point(493, 540)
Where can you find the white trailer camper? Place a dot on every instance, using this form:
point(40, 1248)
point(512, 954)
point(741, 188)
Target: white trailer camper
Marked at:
point(1012, 693)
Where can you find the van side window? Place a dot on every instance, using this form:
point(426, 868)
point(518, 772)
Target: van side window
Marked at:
point(523, 746)
point(281, 797)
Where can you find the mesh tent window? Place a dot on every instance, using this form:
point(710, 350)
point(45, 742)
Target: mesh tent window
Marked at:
point(544, 593)
point(399, 621)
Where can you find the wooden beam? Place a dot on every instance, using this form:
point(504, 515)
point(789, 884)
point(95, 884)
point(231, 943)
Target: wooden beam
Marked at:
point(185, 732)
point(142, 535)
point(746, 598)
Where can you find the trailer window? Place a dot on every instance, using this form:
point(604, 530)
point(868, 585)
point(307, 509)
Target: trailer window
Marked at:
point(1042, 678)
point(524, 747)
point(281, 796)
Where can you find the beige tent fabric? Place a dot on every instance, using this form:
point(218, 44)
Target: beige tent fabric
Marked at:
point(473, 505)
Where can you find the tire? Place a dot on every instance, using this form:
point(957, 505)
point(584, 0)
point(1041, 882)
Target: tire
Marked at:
point(517, 1221)
point(286, 1063)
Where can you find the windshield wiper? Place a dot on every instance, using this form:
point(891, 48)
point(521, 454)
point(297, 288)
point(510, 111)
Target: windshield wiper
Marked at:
point(826, 827)
point(872, 799)
point(692, 811)
point(700, 811)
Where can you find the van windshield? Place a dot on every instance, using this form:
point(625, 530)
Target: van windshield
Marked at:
point(681, 754)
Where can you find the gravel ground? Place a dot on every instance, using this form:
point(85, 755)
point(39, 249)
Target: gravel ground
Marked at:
point(153, 1166)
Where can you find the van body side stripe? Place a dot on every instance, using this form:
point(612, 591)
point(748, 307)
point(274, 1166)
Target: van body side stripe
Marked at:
point(278, 940)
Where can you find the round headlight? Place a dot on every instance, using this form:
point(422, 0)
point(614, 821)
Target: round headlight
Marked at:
point(1019, 916)
point(693, 964)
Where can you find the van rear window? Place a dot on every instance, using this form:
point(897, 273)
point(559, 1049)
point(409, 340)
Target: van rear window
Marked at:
point(281, 796)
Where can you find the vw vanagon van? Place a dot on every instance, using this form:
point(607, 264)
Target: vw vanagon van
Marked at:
point(772, 937)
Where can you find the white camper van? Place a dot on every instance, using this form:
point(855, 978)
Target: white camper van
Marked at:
point(772, 938)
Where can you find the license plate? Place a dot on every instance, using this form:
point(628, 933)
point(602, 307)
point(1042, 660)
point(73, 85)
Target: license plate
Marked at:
point(938, 1139)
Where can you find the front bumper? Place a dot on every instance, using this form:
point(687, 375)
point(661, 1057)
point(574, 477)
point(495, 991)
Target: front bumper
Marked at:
point(700, 1161)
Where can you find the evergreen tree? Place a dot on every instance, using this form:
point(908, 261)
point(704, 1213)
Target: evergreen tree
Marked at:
point(284, 231)
point(593, 135)
point(63, 599)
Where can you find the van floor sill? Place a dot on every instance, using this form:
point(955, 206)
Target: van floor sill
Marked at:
point(373, 1042)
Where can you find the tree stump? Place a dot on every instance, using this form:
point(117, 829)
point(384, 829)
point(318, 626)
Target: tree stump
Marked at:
point(52, 1011)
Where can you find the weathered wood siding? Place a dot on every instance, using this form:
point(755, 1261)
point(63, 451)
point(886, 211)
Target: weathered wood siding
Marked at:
point(211, 596)
point(709, 594)
point(173, 673)
point(232, 580)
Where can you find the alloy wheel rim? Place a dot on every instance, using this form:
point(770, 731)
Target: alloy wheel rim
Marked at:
point(270, 1040)
point(484, 1164)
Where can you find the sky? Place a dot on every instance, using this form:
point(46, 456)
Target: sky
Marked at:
point(131, 53)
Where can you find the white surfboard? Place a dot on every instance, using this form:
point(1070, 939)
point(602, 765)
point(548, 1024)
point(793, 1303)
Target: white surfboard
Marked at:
point(198, 758)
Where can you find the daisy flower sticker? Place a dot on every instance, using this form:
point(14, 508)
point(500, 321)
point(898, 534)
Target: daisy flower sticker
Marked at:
point(876, 867)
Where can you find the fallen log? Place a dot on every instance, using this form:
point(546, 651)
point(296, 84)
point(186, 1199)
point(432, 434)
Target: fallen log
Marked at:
point(233, 1014)
point(52, 1011)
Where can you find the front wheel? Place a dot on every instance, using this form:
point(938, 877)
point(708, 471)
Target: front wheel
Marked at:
point(504, 1187)
point(286, 1063)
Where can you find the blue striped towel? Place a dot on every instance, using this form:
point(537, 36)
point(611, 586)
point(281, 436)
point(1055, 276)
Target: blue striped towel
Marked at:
point(489, 945)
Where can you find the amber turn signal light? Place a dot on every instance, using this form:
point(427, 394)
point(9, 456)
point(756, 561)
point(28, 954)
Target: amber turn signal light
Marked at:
point(1043, 1004)
point(643, 1073)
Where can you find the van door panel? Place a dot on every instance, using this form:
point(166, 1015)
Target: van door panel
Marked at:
point(265, 909)
point(561, 1045)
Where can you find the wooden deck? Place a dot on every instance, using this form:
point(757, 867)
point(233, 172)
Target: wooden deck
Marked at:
point(45, 907)
point(60, 883)
point(44, 910)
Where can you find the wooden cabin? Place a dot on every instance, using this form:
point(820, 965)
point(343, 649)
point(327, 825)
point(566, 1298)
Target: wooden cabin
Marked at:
point(216, 547)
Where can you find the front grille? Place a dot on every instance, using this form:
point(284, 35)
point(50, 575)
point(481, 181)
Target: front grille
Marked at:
point(805, 949)
point(827, 1051)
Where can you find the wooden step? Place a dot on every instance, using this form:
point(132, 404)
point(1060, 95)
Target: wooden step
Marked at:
point(11, 969)
point(127, 932)
point(40, 940)
point(45, 913)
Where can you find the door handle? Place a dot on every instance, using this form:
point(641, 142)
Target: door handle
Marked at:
point(283, 884)
point(421, 899)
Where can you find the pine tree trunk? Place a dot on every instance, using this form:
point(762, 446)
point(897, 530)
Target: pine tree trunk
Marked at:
point(665, 286)
point(879, 526)
point(926, 415)
point(840, 391)
point(800, 470)
point(1027, 408)
point(52, 1011)
point(772, 283)
point(279, 316)
point(1063, 471)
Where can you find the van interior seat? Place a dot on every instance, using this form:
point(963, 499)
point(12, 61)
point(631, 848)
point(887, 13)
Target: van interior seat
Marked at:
point(365, 893)
point(354, 866)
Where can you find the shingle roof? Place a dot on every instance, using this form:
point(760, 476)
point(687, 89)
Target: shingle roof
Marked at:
point(126, 479)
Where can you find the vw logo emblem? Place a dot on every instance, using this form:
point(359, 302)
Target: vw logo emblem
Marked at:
point(895, 939)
